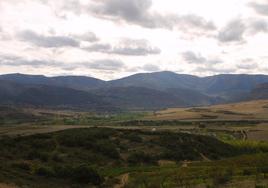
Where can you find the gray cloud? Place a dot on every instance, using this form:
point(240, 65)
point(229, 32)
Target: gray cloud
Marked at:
point(247, 64)
point(47, 41)
point(261, 8)
point(99, 47)
point(193, 58)
point(10, 60)
point(106, 64)
point(196, 21)
point(135, 47)
point(89, 37)
point(138, 12)
point(127, 47)
point(237, 30)
point(257, 26)
point(232, 32)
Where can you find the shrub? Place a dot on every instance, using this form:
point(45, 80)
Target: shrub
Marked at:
point(221, 176)
point(107, 148)
point(80, 174)
point(43, 156)
point(249, 172)
point(22, 165)
point(133, 137)
point(263, 169)
point(139, 158)
point(44, 171)
point(85, 174)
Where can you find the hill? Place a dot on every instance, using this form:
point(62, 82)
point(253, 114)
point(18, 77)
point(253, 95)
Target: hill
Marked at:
point(84, 157)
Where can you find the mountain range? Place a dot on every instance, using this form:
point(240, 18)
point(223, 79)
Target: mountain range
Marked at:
point(141, 91)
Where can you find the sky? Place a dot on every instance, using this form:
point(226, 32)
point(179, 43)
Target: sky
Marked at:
point(110, 39)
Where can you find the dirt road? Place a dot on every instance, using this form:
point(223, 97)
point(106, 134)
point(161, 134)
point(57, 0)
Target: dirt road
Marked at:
point(123, 181)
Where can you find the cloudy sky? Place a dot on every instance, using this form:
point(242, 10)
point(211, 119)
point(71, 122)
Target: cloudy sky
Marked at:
point(109, 39)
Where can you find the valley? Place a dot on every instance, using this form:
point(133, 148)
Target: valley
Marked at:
point(175, 147)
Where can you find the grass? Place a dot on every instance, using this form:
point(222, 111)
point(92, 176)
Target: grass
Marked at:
point(249, 145)
point(214, 173)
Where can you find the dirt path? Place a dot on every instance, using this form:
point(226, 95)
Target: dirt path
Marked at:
point(204, 157)
point(123, 181)
point(244, 134)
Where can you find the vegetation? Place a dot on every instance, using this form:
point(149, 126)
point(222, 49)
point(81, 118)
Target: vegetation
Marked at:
point(89, 156)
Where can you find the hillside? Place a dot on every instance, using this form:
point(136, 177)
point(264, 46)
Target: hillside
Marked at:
point(146, 98)
point(48, 96)
point(93, 156)
point(260, 92)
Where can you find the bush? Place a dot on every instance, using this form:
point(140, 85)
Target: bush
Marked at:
point(85, 174)
point(249, 172)
point(221, 176)
point(44, 171)
point(107, 148)
point(263, 169)
point(133, 137)
point(43, 156)
point(63, 171)
point(80, 174)
point(140, 158)
point(22, 165)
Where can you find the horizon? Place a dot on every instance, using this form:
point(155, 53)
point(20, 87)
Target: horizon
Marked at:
point(70, 37)
point(47, 76)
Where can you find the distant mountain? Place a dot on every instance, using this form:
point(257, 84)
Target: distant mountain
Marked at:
point(139, 91)
point(230, 86)
point(260, 92)
point(48, 96)
point(146, 98)
point(158, 80)
point(194, 97)
point(74, 82)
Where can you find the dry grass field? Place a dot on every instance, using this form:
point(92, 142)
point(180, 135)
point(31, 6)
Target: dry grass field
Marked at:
point(252, 110)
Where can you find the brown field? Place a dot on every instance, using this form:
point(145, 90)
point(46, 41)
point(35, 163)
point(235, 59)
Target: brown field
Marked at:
point(253, 110)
